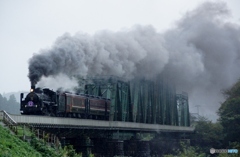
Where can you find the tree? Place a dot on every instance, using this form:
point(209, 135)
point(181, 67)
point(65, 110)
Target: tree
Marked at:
point(229, 114)
point(12, 99)
point(3, 100)
point(11, 105)
point(207, 135)
point(188, 151)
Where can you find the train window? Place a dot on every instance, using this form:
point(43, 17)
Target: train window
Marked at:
point(69, 100)
point(61, 102)
point(61, 98)
point(76, 101)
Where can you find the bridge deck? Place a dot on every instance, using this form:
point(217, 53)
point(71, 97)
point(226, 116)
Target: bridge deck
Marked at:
point(57, 122)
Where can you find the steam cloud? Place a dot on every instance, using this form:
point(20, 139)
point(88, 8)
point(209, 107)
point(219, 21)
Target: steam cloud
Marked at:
point(137, 52)
point(200, 55)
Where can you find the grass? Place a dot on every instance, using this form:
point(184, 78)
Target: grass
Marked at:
point(12, 146)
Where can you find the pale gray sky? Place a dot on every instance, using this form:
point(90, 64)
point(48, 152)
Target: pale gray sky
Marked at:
point(28, 26)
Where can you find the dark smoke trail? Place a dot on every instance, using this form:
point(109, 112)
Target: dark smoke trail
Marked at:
point(201, 55)
point(133, 53)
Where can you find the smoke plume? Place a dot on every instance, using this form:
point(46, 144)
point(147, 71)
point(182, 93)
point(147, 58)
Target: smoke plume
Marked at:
point(132, 53)
point(59, 82)
point(200, 55)
point(204, 51)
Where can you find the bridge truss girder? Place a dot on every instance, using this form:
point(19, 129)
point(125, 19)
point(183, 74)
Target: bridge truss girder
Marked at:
point(143, 101)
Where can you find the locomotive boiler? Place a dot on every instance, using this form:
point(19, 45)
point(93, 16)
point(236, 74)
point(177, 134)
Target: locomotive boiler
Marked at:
point(64, 104)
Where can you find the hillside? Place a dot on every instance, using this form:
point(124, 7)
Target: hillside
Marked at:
point(10, 145)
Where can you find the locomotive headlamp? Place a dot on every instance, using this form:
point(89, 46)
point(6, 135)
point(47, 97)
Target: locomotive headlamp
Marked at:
point(32, 88)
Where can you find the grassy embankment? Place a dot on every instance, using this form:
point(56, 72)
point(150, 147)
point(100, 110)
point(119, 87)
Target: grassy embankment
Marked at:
point(12, 146)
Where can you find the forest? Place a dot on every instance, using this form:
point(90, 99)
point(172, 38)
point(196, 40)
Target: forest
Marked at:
point(223, 134)
point(9, 104)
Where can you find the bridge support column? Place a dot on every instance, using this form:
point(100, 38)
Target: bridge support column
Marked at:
point(115, 148)
point(143, 149)
point(86, 147)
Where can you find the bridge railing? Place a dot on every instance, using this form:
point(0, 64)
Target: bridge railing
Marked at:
point(7, 119)
point(22, 129)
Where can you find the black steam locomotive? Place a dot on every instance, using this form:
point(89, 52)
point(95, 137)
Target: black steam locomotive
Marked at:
point(64, 104)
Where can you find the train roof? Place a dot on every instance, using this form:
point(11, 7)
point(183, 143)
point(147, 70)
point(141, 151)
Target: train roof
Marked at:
point(86, 95)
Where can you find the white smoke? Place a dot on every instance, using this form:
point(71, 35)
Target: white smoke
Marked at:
point(61, 81)
point(200, 55)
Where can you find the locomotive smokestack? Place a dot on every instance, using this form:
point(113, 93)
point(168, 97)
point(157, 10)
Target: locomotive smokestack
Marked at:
point(32, 87)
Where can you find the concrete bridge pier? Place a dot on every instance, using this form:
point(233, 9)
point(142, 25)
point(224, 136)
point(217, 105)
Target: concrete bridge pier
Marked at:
point(84, 145)
point(143, 149)
point(115, 148)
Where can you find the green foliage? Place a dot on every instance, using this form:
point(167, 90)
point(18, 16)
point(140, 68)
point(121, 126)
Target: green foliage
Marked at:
point(233, 145)
point(145, 136)
point(41, 147)
point(207, 135)
point(233, 92)
point(229, 114)
point(11, 146)
point(21, 130)
point(68, 151)
point(187, 151)
point(48, 151)
point(223, 134)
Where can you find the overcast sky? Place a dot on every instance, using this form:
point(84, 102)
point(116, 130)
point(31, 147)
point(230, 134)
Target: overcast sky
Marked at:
point(28, 26)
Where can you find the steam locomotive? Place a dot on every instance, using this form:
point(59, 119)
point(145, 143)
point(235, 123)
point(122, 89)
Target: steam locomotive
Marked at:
point(64, 104)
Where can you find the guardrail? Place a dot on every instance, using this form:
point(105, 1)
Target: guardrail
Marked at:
point(21, 129)
point(8, 121)
point(7, 118)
